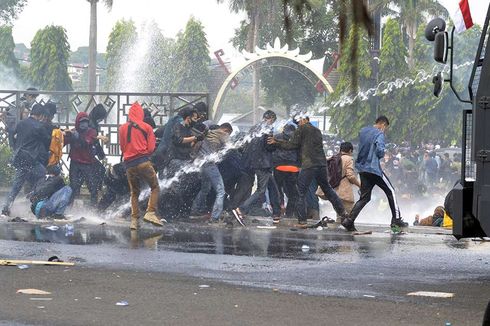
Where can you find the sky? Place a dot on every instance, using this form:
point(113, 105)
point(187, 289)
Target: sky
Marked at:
point(170, 15)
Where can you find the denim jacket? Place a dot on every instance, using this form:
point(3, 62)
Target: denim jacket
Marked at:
point(371, 150)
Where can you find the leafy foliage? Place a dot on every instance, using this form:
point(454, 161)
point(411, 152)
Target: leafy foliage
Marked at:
point(415, 114)
point(316, 31)
point(9, 9)
point(192, 69)
point(122, 36)
point(7, 46)
point(7, 172)
point(347, 120)
point(50, 52)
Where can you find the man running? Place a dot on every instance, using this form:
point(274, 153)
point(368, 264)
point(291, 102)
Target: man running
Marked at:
point(371, 151)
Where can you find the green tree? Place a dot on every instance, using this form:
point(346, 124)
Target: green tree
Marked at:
point(50, 51)
point(192, 64)
point(7, 46)
point(349, 117)
point(393, 66)
point(159, 73)
point(122, 36)
point(411, 14)
point(9, 9)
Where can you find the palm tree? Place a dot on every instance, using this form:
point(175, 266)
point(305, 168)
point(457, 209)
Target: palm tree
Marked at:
point(412, 13)
point(92, 57)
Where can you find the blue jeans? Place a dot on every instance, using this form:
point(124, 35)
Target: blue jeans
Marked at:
point(211, 178)
point(311, 197)
point(57, 203)
point(33, 174)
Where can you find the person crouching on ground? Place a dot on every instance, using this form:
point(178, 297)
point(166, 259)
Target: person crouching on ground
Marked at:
point(50, 196)
point(439, 218)
point(137, 144)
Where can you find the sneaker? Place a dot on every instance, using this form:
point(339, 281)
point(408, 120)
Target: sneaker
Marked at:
point(238, 216)
point(399, 222)
point(152, 218)
point(348, 224)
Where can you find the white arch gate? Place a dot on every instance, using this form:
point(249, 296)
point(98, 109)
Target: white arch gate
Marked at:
point(270, 52)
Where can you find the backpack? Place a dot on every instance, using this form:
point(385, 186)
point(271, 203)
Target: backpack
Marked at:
point(334, 168)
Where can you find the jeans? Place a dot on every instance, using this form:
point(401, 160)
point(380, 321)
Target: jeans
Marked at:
point(311, 197)
point(145, 172)
point(57, 203)
point(33, 174)
point(243, 190)
point(263, 177)
point(306, 176)
point(368, 181)
point(211, 178)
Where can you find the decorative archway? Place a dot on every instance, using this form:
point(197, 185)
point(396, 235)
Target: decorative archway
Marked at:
point(269, 53)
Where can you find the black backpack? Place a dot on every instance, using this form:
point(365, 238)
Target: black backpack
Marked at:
point(334, 168)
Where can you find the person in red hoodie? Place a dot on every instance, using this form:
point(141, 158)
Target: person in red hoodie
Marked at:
point(137, 142)
point(84, 167)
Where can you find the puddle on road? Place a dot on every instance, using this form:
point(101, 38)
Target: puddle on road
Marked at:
point(280, 243)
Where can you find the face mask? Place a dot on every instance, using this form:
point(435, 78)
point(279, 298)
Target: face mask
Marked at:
point(83, 125)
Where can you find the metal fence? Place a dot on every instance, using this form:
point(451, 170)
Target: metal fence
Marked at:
point(69, 104)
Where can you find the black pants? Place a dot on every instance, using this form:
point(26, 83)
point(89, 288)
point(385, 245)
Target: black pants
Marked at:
point(287, 183)
point(368, 181)
point(91, 174)
point(306, 176)
point(243, 190)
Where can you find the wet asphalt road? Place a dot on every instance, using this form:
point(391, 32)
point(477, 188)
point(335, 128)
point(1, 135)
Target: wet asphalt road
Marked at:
point(288, 272)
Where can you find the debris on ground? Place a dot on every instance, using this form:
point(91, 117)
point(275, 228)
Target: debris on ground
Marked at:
point(431, 294)
point(17, 219)
point(23, 266)
point(15, 262)
point(52, 227)
point(204, 286)
point(33, 291)
point(267, 227)
point(305, 248)
point(122, 303)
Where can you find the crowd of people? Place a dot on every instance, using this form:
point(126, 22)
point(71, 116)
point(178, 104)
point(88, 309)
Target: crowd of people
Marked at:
point(192, 167)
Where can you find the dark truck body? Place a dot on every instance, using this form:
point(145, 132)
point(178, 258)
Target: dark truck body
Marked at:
point(470, 198)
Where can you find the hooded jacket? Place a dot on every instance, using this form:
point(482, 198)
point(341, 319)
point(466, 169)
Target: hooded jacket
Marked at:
point(371, 150)
point(82, 142)
point(136, 138)
point(257, 153)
